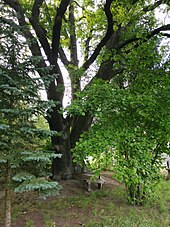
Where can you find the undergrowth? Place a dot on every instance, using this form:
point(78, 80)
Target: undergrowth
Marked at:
point(105, 208)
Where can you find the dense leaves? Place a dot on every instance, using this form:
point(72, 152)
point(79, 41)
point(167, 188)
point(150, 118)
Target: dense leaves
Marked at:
point(131, 126)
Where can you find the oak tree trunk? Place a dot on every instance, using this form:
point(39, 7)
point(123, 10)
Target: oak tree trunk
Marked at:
point(62, 168)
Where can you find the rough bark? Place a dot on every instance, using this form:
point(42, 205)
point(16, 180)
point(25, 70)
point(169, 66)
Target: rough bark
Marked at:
point(62, 168)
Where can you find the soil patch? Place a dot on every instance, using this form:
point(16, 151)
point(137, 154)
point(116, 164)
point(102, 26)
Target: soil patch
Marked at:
point(31, 211)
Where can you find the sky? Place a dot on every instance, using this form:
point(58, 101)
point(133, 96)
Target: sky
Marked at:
point(163, 18)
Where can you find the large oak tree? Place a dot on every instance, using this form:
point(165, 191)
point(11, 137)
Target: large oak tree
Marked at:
point(86, 37)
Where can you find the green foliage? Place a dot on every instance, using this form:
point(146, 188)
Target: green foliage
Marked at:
point(131, 126)
point(19, 177)
point(44, 187)
point(21, 149)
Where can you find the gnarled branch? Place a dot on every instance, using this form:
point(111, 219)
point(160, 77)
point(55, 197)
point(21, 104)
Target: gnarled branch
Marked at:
point(148, 36)
point(34, 20)
point(33, 45)
point(105, 38)
point(57, 29)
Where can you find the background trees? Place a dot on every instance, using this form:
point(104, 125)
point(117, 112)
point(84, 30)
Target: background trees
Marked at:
point(91, 39)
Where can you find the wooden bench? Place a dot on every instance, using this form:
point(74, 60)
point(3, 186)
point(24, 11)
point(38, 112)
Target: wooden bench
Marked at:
point(89, 179)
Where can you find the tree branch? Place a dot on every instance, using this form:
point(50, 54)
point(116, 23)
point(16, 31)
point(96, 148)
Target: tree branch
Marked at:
point(57, 29)
point(158, 30)
point(14, 4)
point(33, 44)
point(75, 78)
point(34, 20)
point(35, 49)
point(63, 57)
point(166, 34)
point(151, 34)
point(87, 48)
point(105, 38)
point(56, 42)
point(73, 38)
point(152, 7)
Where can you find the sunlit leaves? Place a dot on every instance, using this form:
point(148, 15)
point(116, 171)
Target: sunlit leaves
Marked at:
point(131, 121)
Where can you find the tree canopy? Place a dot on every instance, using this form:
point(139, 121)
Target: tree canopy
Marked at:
point(92, 40)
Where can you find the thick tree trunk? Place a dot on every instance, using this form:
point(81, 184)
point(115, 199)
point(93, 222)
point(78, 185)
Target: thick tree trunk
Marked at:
point(8, 197)
point(62, 168)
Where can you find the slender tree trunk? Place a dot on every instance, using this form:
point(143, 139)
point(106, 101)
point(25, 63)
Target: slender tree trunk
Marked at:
point(8, 196)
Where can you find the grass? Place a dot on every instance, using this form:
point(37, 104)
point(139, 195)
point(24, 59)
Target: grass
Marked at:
point(105, 208)
point(120, 214)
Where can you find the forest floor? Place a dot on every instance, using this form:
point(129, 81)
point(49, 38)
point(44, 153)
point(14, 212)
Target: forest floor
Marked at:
point(75, 206)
